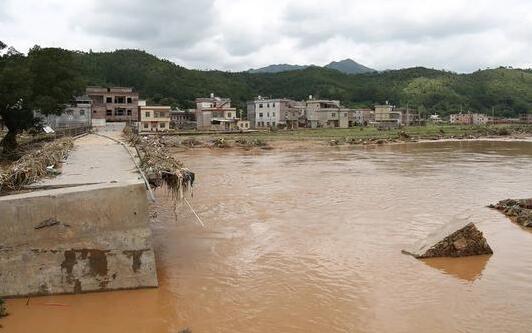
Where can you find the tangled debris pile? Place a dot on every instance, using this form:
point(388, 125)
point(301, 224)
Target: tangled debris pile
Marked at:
point(220, 143)
point(250, 143)
point(519, 211)
point(35, 165)
point(158, 166)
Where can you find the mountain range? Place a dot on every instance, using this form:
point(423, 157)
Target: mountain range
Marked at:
point(346, 66)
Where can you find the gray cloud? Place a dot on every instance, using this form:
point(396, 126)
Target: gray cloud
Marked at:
point(460, 35)
point(162, 23)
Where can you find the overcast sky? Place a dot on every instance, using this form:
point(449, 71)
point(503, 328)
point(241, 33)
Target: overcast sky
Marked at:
point(458, 35)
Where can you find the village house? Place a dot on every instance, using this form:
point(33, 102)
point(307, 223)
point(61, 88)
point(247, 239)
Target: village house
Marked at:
point(77, 113)
point(479, 119)
point(386, 116)
point(326, 113)
point(435, 118)
point(526, 118)
point(461, 119)
point(468, 119)
point(280, 112)
point(154, 118)
point(215, 113)
point(243, 125)
point(361, 117)
point(113, 104)
point(182, 118)
point(409, 116)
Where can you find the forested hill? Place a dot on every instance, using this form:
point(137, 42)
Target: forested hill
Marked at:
point(509, 91)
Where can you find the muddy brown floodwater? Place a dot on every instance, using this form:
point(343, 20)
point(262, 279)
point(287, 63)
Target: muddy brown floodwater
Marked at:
point(310, 241)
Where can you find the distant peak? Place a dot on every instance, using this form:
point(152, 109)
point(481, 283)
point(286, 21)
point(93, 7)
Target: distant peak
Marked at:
point(347, 66)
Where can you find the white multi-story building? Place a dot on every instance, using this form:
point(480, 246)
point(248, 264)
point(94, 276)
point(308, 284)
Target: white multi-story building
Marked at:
point(274, 112)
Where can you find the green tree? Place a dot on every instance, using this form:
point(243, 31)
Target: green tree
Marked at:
point(43, 81)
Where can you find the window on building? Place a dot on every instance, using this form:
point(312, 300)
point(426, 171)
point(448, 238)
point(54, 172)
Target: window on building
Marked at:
point(267, 114)
point(261, 114)
point(119, 112)
point(345, 114)
point(147, 114)
point(94, 111)
point(129, 100)
point(109, 112)
point(268, 105)
point(273, 104)
point(129, 112)
point(120, 99)
point(333, 115)
point(163, 125)
point(260, 106)
point(81, 112)
point(156, 114)
point(108, 100)
point(229, 114)
point(267, 123)
point(146, 125)
point(273, 124)
point(273, 114)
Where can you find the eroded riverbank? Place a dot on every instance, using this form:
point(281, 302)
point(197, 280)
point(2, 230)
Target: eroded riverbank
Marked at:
point(301, 240)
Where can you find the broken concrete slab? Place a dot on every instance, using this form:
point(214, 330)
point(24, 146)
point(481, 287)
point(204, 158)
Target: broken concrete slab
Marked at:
point(76, 239)
point(456, 239)
point(519, 211)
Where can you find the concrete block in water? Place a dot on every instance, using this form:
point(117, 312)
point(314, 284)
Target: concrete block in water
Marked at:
point(452, 240)
point(77, 239)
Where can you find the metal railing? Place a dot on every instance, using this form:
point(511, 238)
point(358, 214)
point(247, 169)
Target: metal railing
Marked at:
point(71, 130)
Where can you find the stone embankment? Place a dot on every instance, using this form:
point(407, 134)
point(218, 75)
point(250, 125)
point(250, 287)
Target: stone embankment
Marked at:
point(519, 211)
point(85, 230)
point(452, 240)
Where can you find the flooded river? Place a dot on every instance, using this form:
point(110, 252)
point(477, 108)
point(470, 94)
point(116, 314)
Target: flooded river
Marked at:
point(310, 241)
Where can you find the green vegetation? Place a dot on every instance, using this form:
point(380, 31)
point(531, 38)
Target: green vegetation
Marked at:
point(43, 80)
point(48, 76)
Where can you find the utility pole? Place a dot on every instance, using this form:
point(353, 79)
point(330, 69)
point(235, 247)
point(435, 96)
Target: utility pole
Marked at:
point(493, 115)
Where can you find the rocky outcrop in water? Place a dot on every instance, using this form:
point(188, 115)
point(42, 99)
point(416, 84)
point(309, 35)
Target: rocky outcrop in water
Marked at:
point(519, 211)
point(453, 240)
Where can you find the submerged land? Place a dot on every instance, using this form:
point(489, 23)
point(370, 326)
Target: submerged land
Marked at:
point(344, 136)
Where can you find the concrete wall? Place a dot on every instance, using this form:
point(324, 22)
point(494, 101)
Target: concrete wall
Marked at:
point(77, 239)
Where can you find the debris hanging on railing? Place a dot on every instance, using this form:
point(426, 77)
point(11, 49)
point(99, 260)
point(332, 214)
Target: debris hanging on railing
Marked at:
point(159, 166)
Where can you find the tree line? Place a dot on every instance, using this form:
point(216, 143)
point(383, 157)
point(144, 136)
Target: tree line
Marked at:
point(46, 78)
